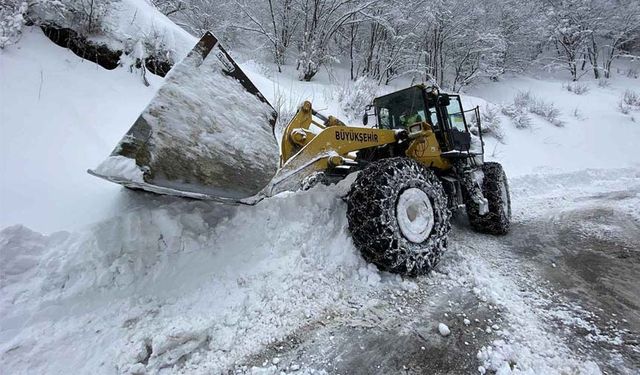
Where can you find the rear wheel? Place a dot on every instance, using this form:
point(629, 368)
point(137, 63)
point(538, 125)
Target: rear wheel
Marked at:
point(398, 216)
point(495, 189)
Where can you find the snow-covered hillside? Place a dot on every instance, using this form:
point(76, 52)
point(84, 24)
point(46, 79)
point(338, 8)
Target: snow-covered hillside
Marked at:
point(60, 116)
point(594, 133)
point(99, 279)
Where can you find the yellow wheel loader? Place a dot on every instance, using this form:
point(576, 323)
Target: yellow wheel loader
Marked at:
point(208, 134)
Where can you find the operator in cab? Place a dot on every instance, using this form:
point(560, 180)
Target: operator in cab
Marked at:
point(410, 118)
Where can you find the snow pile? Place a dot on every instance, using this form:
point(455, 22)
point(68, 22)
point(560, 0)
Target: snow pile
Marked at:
point(191, 284)
point(133, 20)
point(60, 116)
point(120, 167)
point(21, 250)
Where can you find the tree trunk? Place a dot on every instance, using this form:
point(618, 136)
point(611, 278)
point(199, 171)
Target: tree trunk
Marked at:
point(593, 57)
point(309, 72)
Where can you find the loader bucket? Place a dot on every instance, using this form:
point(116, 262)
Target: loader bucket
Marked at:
point(207, 133)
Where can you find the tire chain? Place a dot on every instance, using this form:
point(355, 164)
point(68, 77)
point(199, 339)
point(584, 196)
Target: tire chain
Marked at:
point(496, 221)
point(371, 211)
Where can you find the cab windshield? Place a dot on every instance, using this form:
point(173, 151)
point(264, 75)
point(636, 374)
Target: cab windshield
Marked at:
point(400, 109)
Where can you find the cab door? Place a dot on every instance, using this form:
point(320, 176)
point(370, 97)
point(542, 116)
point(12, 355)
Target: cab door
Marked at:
point(460, 136)
point(450, 116)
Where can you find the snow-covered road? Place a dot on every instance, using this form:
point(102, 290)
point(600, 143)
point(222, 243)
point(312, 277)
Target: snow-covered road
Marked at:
point(175, 285)
point(559, 294)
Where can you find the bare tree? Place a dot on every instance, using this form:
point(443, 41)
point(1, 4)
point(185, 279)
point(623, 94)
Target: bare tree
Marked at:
point(321, 20)
point(567, 31)
point(273, 19)
point(450, 42)
point(623, 27)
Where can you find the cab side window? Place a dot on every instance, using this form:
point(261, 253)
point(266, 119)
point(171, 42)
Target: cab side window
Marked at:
point(456, 117)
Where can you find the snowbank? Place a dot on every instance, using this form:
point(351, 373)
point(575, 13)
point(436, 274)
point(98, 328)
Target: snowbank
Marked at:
point(202, 283)
point(594, 135)
point(60, 116)
point(202, 286)
point(129, 21)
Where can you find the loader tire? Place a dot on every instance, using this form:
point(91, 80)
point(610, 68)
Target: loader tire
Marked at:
point(398, 216)
point(495, 189)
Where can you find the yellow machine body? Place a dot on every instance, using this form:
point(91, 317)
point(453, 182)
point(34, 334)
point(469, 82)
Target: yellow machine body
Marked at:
point(310, 146)
point(301, 142)
point(425, 148)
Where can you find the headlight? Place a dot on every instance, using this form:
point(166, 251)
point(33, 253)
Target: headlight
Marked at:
point(415, 128)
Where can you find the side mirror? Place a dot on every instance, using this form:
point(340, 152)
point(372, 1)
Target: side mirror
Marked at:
point(365, 118)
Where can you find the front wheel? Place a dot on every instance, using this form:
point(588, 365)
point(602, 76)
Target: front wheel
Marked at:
point(398, 216)
point(495, 189)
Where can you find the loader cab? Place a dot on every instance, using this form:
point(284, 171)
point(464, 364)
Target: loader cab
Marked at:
point(443, 112)
point(401, 108)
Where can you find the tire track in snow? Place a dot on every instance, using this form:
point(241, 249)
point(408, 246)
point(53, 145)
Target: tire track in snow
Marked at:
point(580, 325)
point(588, 259)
